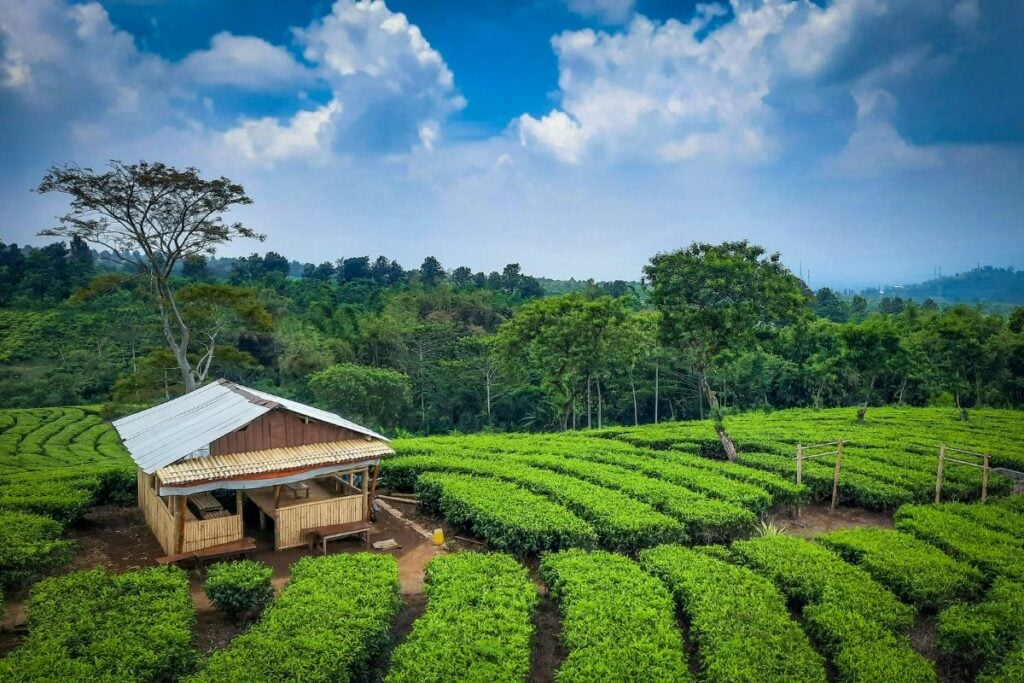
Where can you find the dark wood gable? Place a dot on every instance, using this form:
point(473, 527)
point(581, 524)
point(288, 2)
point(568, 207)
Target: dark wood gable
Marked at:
point(277, 429)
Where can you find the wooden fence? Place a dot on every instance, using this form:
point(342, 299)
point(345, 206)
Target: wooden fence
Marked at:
point(816, 451)
point(293, 519)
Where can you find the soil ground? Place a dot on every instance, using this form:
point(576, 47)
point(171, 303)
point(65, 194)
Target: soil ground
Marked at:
point(818, 518)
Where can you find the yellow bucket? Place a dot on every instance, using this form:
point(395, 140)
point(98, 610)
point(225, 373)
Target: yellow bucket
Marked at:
point(438, 537)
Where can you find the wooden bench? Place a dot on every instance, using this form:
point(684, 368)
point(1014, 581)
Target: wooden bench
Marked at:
point(245, 546)
point(322, 534)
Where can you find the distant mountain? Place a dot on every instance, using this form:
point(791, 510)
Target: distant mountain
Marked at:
point(985, 285)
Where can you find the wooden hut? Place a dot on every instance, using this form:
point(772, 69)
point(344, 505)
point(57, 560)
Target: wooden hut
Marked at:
point(202, 455)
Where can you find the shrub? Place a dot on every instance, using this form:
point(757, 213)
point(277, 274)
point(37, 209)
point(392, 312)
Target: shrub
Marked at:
point(30, 545)
point(617, 621)
point(66, 502)
point(93, 626)
point(739, 620)
point(236, 588)
point(704, 519)
point(845, 610)
point(973, 635)
point(862, 651)
point(621, 522)
point(329, 622)
point(506, 516)
point(994, 552)
point(811, 574)
point(916, 571)
point(477, 625)
point(1012, 668)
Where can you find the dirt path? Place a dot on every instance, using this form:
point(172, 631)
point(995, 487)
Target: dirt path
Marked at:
point(819, 519)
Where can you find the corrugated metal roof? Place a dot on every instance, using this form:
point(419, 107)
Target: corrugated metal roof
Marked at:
point(166, 433)
point(213, 467)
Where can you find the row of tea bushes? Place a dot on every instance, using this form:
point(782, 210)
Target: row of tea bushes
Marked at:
point(979, 636)
point(739, 621)
point(890, 460)
point(507, 516)
point(93, 626)
point(327, 625)
point(41, 439)
point(618, 623)
point(705, 520)
point(477, 625)
point(30, 545)
point(916, 571)
point(853, 617)
point(621, 522)
point(995, 552)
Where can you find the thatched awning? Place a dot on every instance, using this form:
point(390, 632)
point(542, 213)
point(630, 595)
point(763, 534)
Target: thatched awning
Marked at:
point(266, 465)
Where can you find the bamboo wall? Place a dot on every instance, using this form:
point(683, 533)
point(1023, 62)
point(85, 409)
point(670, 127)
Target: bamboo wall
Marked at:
point(203, 533)
point(293, 519)
point(158, 517)
point(198, 533)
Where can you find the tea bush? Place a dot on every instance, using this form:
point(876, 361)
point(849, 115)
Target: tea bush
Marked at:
point(477, 626)
point(240, 587)
point(30, 545)
point(328, 623)
point(983, 633)
point(618, 622)
point(94, 626)
point(853, 617)
point(739, 620)
point(994, 552)
point(508, 517)
point(916, 571)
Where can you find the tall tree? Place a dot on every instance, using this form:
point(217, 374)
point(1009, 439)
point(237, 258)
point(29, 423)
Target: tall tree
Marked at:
point(716, 298)
point(151, 216)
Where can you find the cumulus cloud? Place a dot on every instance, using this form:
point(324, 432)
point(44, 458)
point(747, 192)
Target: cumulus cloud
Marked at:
point(875, 146)
point(306, 136)
point(391, 91)
point(608, 11)
point(247, 62)
point(727, 91)
point(660, 91)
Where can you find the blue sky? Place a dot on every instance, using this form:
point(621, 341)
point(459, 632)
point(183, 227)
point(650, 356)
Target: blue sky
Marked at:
point(869, 141)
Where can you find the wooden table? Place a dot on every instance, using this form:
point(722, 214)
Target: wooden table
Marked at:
point(322, 534)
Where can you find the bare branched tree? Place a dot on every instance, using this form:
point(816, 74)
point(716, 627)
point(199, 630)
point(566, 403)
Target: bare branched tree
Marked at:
point(152, 216)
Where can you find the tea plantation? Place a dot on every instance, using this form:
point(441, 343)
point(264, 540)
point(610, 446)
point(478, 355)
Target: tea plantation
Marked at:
point(645, 542)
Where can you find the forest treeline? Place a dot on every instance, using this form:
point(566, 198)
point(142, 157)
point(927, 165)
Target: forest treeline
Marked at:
point(431, 349)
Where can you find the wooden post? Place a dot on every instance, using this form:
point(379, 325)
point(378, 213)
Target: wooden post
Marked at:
point(263, 520)
point(277, 496)
point(938, 474)
point(984, 479)
point(238, 502)
point(179, 527)
point(835, 479)
point(799, 464)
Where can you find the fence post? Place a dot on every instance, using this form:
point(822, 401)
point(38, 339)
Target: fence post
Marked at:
point(799, 464)
point(984, 479)
point(835, 479)
point(938, 474)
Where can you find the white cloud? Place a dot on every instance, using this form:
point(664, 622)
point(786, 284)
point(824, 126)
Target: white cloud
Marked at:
point(875, 146)
point(609, 11)
point(245, 61)
point(306, 136)
point(391, 90)
point(658, 91)
point(556, 131)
